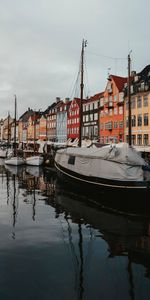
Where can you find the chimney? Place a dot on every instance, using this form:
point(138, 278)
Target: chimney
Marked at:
point(133, 73)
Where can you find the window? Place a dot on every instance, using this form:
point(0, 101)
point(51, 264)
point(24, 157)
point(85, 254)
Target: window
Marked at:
point(95, 105)
point(115, 124)
point(139, 139)
point(133, 121)
point(115, 111)
point(139, 102)
point(110, 112)
point(145, 140)
point(145, 102)
point(95, 130)
point(120, 124)
point(133, 138)
point(87, 118)
point(139, 120)
point(71, 160)
point(133, 103)
point(120, 110)
point(145, 119)
point(91, 117)
point(96, 116)
point(127, 122)
point(91, 106)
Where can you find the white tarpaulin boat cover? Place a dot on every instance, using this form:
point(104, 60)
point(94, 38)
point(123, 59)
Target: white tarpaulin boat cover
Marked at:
point(116, 162)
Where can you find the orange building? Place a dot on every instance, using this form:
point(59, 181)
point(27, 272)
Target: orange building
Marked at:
point(112, 111)
point(33, 127)
point(43, 128)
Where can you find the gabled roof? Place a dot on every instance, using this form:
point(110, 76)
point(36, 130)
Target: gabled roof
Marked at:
point(50, 107)
point(144, 73)
point(96, 96)
point(25, 116)
point(119, 81)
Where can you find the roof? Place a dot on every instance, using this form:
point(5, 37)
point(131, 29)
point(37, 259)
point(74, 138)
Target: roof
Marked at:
point(26, 115)
point(119, 81)
point(144, 73)
point(96, 96)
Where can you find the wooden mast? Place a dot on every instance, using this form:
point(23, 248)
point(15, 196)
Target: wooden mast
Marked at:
point(34, 128)
point(8, 134)
point(129, 100)
point(84, 44)
point(15, 145)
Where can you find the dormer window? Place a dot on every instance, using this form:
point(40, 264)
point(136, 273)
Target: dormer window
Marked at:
point(136, 78)
point(109, 88)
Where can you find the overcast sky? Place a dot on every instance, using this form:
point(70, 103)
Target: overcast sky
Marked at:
point(40, 46)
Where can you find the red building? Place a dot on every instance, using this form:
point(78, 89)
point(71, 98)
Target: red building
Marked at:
point(73, 119)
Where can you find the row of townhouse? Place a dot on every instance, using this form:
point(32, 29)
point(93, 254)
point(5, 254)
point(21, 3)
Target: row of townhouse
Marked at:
point(105, 116)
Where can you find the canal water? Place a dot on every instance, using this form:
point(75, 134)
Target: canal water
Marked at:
point(56, 244)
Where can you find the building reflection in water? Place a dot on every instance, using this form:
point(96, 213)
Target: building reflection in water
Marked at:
point(125, 234)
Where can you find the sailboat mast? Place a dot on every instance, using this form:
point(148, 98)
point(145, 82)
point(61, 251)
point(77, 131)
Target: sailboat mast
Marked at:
point(129, 100)
point(84, 44)
point(34, 128)
point(15, 150)
point(8, 135)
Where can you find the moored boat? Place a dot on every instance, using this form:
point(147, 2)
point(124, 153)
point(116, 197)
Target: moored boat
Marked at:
point(13, 158)
point(117, 167)
point(35, 160)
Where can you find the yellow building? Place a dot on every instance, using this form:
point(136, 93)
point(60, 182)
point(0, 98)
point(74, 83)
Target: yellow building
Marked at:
point(140, 109)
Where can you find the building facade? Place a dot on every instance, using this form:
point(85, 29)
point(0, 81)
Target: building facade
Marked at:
point(112, 111)
point(140, 108)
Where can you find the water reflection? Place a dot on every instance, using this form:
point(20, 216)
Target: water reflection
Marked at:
point(123, 235)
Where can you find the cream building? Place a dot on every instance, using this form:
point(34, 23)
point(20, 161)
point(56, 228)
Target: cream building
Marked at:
point(140, 109)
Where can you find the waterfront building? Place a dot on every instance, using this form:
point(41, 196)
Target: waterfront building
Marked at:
point(43, 127)
point(91, 117)
point(33, 126)
point(6, 125)
point(61, 120)
point(140, 108)
point(23, 125)
point(51, 120)
point(73, 119)
point(112, 110)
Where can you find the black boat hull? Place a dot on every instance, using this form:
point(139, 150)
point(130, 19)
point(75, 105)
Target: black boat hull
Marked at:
point(124, 197)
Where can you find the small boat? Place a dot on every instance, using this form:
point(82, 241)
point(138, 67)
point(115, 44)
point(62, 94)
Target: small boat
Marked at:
point(14, 161)
point(35, 160)
point(13, 158)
